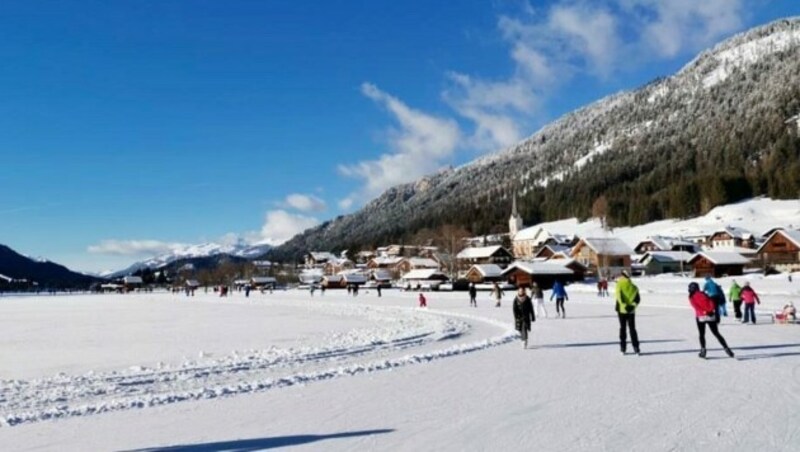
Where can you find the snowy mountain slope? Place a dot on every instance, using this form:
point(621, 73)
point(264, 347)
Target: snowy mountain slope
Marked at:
point(754, 215)
point(676, 147)
point(240, 249)
point(15, 266)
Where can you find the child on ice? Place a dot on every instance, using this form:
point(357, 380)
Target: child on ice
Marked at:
point(423, 303)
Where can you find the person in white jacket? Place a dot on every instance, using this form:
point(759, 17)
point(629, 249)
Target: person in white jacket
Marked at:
point(538, 297)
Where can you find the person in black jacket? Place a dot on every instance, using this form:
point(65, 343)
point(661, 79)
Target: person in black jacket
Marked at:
point(473, 295)
point(523, 315)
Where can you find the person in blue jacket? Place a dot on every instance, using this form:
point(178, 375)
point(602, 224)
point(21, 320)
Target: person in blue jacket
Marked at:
point(560, 294)
point(714, 291)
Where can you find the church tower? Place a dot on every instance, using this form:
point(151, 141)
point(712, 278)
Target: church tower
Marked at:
point(515, 222)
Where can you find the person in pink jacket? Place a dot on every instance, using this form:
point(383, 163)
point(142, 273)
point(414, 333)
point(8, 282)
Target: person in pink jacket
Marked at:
point(749, 298)
point(705, 314)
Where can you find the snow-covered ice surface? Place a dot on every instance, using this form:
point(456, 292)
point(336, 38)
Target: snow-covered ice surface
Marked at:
point(338, 373)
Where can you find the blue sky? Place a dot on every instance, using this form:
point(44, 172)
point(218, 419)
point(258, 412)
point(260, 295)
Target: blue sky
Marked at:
point(128, 128)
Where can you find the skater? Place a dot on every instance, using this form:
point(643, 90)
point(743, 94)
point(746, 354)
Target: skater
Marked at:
point(789, 312)
point(749, 298)
point(605, 287)
point(523, 315)
point(311, 289)
point(560, 295)
point(321, 289)
point(714, 291)
point(378, 288)
point(538, 295)
point(247, 291)
point(497, 293)
point(735, 295)
point(706, 314)
point(599, 287)
point(626, 301)
point(423, 303)
point(355, 290)
point(473, 295)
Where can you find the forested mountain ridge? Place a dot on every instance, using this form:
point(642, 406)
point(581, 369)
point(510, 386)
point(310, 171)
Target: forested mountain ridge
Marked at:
point(713, 133)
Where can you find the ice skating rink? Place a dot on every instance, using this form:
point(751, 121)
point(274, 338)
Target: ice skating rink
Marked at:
point(162, 371)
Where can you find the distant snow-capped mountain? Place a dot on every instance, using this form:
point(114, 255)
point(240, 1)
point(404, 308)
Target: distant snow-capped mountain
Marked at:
point(240, 249)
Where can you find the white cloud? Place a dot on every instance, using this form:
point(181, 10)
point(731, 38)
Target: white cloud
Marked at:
point(551, 45)
point(346, 203)
point(280, 226)
point(421, 145)
point(672, 27)
point(134, 247)
point(305, 203)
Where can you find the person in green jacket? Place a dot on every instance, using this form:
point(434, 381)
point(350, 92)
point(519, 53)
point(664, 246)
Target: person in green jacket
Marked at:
point(735, 295)
point(627, 300)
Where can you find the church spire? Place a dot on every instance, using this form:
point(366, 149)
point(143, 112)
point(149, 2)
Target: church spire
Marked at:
point(515, 222)
point(514, 206)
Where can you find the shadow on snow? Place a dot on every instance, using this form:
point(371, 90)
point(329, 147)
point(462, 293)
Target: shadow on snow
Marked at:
point(606, 344)
point(247, 445)
point(743, 348)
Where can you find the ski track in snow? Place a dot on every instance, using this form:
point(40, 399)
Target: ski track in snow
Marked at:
point(359, 351)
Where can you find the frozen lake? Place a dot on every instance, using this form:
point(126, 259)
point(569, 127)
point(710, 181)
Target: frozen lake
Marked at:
point(151, 371)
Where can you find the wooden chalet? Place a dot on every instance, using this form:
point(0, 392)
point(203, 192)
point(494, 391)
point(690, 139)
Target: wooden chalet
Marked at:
point(407, 264)
point(660, 262)
point(718, 264)
point(545, 274)
point(604, 256)
point(482, 273)
point(483, 255)
point(781, 251)
point(551, 251)
point(731, 237)
point(662, 243)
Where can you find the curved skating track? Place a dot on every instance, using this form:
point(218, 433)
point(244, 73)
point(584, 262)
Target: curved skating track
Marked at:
point(396, 337)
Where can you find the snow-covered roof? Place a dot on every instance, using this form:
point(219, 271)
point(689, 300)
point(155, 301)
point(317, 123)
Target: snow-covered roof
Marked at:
point(664, 243)
point(607, 246)
point(528, 233)
point(790, 234)
point(424, 274)
point(387, 261)
point(381, 275)
point(310, 275)
point(6, 278)
point(322, 256)
point(354, 278)
point(263, 280)
point(722, 258)
point(666, 256)
point(735, 249)
point(333, 278)
point(540, 268)
point(488, 270)
point(192, 283)
point(132, 280)
point(555, 249)
point(423, 262)
point(479, 252)
point(735, 232)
